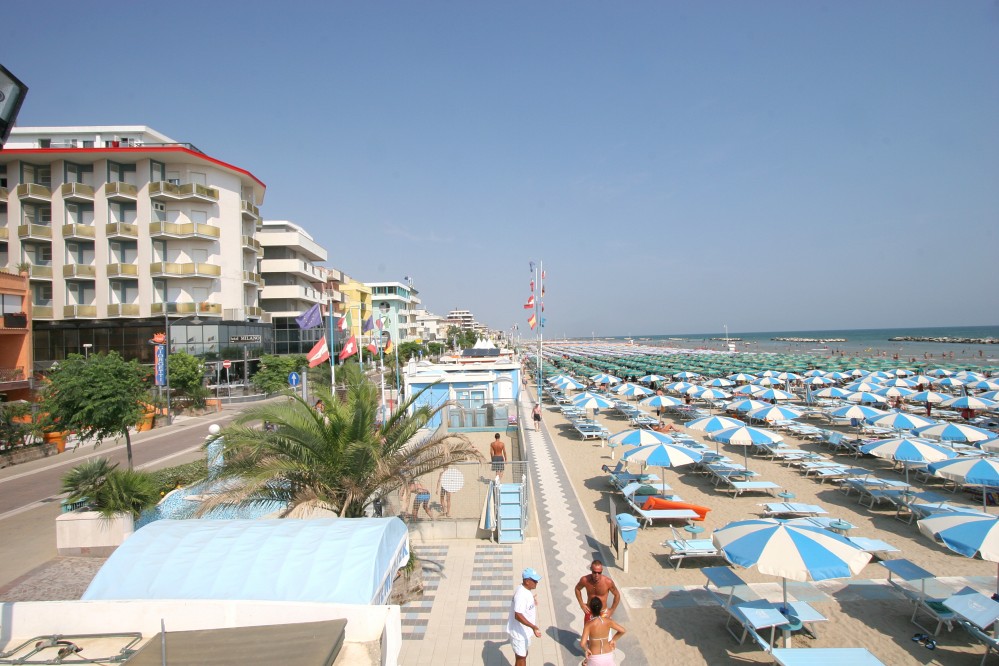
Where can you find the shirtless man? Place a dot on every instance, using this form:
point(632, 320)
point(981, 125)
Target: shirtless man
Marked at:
point(497, 454)
point(596, 584)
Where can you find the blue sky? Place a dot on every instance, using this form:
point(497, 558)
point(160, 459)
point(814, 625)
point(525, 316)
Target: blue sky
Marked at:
point(677, 166)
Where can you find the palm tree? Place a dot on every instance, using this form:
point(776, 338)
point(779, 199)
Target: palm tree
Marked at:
point(109, 490)
point(334, 454)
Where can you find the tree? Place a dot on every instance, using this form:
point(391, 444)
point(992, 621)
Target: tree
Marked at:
point(408, 350)
point(108, 490)
point(187, 375)
point(339, 456)
point(272, 376)
point(98, 397)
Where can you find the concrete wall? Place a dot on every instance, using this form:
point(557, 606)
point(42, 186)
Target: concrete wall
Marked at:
point(89, 533)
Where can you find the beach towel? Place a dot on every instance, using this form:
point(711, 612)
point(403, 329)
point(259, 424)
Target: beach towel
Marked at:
point(654, 503)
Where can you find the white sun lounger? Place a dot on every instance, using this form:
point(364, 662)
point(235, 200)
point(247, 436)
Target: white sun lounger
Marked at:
point(680, 548)
point(739, 487)
point(646, 517)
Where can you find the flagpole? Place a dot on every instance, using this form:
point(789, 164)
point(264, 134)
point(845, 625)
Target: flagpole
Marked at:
point(332, 345)
point(539, 313)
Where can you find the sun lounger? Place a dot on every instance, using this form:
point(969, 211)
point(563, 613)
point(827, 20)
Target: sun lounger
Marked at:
point(836, 473)
point(976, 614)
point(591, 432)
point(901, 575)
point(824, 657)
point(621, 479)
point(792, 509)
point(647, 517)
point(645, 489)
point(680, 548)
point(739, 487)
point(876, 547)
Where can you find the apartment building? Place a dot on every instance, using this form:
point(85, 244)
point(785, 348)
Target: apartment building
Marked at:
point(396, 305)
point(463, 319)
point(432, 327)
point(125, 232)
point(294, 282)
point(356, 302)
point(15, 337)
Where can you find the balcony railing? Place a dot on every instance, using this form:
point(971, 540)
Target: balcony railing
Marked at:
point(254, 311)
point(34, 231)
point(84, 231)
point(251, 243)
point(184, 269)
point(191, 230)
point(40, 272)
point(164, 190)
point(78, 271)
point(123, 310)
point(33, 192)
point(121, 191)
point(79, 312)
point(8, 375)
point(76, 192)
point(4, 233)
point(210, 309)
point(121, 230)
point(250, 212)
point(252, 278)
point(4, 193)
point(123, 270)
point(41, 312)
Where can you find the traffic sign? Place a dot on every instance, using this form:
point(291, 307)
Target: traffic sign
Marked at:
point(226, 364)
point(294, 379)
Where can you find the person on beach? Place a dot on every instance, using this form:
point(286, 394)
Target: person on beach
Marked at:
point(522, 622)
point(597, 585)
point(497, 454)
point(421, 498)
point(597, 641)
point(536, 415)
point(662, 426)
point(444, 493)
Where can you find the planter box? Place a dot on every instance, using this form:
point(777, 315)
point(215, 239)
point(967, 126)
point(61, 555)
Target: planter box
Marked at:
point(87, 533)
point(15, 320)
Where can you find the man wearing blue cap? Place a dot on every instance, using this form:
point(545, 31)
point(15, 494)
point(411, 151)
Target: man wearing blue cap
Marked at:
point(522, 623)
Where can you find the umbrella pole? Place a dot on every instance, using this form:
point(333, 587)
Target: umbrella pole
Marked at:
point(784, 585)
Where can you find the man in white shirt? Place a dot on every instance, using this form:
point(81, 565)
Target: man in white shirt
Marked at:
point(522, 622)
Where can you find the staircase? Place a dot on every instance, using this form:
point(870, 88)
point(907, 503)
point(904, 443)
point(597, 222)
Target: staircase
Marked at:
point(512, 513)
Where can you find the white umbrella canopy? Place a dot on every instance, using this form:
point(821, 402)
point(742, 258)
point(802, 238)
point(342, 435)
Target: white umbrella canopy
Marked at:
point(661, 401)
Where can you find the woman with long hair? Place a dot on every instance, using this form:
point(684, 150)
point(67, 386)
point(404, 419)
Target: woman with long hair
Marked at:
point(597, 640)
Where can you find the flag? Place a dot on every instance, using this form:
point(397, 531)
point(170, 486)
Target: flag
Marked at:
point(532, 266)
point(320, 353)
point(388, 345)
point(532, 286)
point(380, 324)
point(349, 348)
point(372, 348)
point(542, 291)
point(530, 303)
point(344, 323)
point(543, 274)
point(533, 321)
point(368, 325)
point(310, 318)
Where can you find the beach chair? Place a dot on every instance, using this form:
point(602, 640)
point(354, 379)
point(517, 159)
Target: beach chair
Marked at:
point(879, 549)
point(908, 573)
point(990, 642)
point(641, 489)
point(646, 517)
point(739, 487)
point(792, 509)
point(680, 548)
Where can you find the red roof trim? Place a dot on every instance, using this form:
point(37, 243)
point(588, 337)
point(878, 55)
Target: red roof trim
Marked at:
point(150, 149)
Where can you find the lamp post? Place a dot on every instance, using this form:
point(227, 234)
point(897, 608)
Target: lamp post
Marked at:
point(86, 350)
point(166, 357)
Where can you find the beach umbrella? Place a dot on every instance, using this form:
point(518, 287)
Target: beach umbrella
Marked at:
point(796, 551)
point(710, 394)
point(661, 401)
point(951, 382)
point(652, 378)
point(746, 436)
point(774, 413)
point(818, 381)
point(749, 389)
point(788, 376)
point(630, 389)
point(640, 437)
point(970, 471)
point(589, 400)
point(604, 378)
point(900, 421)
point(815, 372)
point(746, 405)
point(895, 392)
point(955, 432)
point(768, 381)
point(679, 387)
point(965, 532)
point(719, 382)
point(742, 377)
point(713, 423)
point(930, 396)
point(970, 376)
point(837, 375)
point(686, 374)
point(990, 445)
point(831, 392)
point(984, 385)
point(775, 394)
point(970, 402)
point(769, 373)
point(940, 372)
point(858, 372)
point(863, 386)
point(859, 412)
point(663, 455)
point(867, 398)
point(566, 383)
point(990, 395)
point(908, 450)
point(900, 381)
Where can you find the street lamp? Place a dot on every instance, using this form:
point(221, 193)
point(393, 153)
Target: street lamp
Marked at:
point(86, 350)
point(166, 357)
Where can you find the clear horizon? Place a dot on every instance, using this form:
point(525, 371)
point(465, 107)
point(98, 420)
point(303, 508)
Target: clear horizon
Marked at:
point(676, 166)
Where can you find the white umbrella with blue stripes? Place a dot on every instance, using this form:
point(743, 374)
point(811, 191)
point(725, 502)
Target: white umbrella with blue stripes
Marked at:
point(713, 423)
point(831, 392)
point(909, 450)
point(663, 455)
point(956, 432)
point(900, 421)
point(661, 401)
point(971, 471)
point(652, 378)
point(639, 437)
point(866, 398)
point(970, 402)
point(630, 389)
point(719, 382)
point(565, 383)
point(859, 412)
point(746, 405)
point(775, 394)
point(604, 378)
point(707, 393)
point(742, 377)
point(965, 532)
point(746, 436)
point(591, 401)
point(774, 413)
point(930, 396)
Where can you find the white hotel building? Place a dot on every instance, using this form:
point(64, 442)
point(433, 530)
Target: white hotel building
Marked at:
point(120, 227)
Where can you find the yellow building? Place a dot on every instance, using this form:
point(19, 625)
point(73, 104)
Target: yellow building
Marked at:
point(356, 301)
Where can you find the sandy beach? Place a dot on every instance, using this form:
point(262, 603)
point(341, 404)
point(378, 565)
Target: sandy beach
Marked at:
point(691, 630)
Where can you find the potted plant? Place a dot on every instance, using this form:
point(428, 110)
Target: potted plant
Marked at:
point(15, 319)
point(24, 268)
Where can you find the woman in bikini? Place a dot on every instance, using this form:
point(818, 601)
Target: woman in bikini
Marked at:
point(597, 640)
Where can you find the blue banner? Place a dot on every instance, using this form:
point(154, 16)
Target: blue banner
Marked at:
point(160, 365)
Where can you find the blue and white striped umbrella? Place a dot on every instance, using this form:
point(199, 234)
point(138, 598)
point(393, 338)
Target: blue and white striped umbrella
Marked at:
point(640, 437)
point(746, 436)
point(775, 394)
point(630, 389)
point(900, 421)
point(970, 471)
point(663, 455)
point(679, 387)
point(940, 372)
point(788, 376)
point(984, 385)
point(604, 378)
point(769, 373)
point(652, 378)
point(863, 386)
point(818, 381)
point(831, 392)
point(713, 423)
point(774, 413)
point(860, 412)
point(685, 374)
point(956, 432)
point(899, 381)
point(930, 396)
point(858, 372)
point(742, 377)
point(768, 381)
point(990, 445)
point(591, 401)
point(909, 450)
point(894, 392)
point(719, 382)
point(867, 398)
point(566, 383)
point(661, 401)
point(879, 376)
point(749, 389)
point(815, 372)
point(711, 394)
point(970, 376)
point(965, 532)
point(837, 375)
point(798, 552)
point(990, 395)
point(952, 382)
point(746, 405)
point(970, 402)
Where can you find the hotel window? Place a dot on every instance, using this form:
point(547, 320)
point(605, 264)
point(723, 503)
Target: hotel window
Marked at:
point(36, 175)
point(121, 212)
point(159, 291)
point(157, 171)
point(123, 292)
point(41, 293)
point(118, 173)
point(3, 175)
point(75, 173)
point(80, 214)
point(36, 214)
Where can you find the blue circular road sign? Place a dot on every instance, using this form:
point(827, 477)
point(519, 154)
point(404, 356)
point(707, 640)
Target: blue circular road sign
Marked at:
point(294, 379)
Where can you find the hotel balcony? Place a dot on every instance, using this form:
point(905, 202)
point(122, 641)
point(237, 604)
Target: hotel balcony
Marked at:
point(121, 192)
point(4, 233)
point(250, 277)
point(295, 241)
point(296, 267)
point(31, 193)
point(165, 191)
point(42, 232)
point(4, 193)
point(121, 230)
point(200, 309)
point(123, 309)
point(77, 192)
point(78, 231)
point(79, 312)
point(79, 271)
point(251, 243)
point(254, 311)
point(40, 273)
point(292, 292)
point(250, 212)
point(190, 230)
point(184, 269)
point(13, 378)
point(123, 271)
point(41, 312)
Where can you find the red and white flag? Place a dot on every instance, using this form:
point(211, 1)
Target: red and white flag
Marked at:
point(532, 285)
point(533, 321)
point(530, 303)
point(320, 353)
point(344, 323)
point(372, 348)
point(349, 348)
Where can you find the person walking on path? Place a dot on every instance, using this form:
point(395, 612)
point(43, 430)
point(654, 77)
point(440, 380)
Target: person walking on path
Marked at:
point(497, 453)
point(598, 586)
point(522, 623)
point(536, 415)
point(597, 641)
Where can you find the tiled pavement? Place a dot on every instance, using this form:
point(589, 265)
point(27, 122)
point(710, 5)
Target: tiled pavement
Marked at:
point(416, 614)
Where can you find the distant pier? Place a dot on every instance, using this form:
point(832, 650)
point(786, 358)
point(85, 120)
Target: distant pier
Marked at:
point(819, 340)
point(946, 340)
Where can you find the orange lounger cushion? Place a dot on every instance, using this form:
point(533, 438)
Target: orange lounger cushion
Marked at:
point(660, 503)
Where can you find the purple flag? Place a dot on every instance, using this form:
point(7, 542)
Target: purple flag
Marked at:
point(310, 318)
point(368, 325)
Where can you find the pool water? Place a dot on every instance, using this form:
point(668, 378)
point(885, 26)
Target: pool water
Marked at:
point(175, 507)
